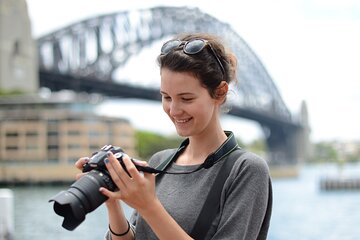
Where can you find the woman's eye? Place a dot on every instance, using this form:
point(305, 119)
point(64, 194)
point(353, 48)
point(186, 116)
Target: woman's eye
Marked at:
point(167, 98)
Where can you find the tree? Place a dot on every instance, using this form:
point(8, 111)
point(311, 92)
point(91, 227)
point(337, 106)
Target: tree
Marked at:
point(324, 152)
point(148, 143)
point(258, 146)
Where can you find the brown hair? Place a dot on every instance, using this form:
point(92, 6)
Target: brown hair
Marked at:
point(203, 65)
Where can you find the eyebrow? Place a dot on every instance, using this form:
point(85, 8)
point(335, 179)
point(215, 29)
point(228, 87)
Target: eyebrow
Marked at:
point(181, 94)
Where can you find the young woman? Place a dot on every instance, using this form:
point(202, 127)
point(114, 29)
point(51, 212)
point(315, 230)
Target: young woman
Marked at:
point(195, 70)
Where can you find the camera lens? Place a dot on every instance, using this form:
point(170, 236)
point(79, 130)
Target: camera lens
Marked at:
point(82, 197)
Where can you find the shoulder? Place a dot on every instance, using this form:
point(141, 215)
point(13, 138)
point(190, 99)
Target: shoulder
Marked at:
point(249, 175)
point(249, 163)
point(161, 156)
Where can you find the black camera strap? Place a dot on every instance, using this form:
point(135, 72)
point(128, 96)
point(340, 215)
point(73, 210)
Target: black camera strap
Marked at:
point(211, 206)
point(224, 150)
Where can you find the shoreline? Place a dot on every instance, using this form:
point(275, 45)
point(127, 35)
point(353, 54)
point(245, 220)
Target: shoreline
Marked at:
point(31, 176)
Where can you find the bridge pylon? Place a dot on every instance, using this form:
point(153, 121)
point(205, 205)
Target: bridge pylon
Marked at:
point(18, 51)
point(289, 145)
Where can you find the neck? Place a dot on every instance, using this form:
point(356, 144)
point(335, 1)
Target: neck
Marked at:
point(200, 146)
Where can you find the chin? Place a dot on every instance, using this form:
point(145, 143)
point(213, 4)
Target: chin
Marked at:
point(182, 133)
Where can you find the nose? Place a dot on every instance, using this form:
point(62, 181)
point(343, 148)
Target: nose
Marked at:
point(175, 109)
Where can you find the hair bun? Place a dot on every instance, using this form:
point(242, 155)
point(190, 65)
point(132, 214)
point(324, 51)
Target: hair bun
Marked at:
point(232, 60)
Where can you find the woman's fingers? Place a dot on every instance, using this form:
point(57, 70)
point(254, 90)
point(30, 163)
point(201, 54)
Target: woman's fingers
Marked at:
point(125, 180)
point(80, 163)
point(110, 194)
point(139, 162)
point(116, 171)
point(131, 168)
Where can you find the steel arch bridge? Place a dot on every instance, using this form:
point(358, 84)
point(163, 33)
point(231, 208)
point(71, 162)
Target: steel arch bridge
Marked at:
point(85, 55)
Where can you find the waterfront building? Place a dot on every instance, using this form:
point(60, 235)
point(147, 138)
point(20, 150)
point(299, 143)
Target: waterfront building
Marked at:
point(18, 52)
point(42, 137)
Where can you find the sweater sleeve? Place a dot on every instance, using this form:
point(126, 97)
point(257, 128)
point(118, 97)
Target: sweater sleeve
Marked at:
point(246, 201)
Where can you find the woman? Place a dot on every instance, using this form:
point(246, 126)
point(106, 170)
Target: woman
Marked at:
point(195, 74)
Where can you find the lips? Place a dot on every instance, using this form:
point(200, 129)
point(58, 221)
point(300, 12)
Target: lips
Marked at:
point(182, 121)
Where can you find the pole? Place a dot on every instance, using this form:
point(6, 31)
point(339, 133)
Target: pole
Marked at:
point(6, 214)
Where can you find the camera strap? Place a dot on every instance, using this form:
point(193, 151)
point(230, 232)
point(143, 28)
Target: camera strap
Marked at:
point(224, 150)
point(211, 206)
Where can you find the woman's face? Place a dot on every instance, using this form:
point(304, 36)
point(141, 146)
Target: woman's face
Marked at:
point(187, 103)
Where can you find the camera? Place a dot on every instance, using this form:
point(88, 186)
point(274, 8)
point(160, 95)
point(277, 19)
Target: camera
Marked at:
point(84, 196)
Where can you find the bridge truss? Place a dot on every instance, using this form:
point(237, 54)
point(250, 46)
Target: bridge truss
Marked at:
point(95, 48)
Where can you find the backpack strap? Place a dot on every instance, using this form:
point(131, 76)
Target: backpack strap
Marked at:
point(212, 203)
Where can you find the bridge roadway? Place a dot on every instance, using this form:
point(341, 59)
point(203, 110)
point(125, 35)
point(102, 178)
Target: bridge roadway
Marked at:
point(279, 133)
point(57, 82)
point(83, 57)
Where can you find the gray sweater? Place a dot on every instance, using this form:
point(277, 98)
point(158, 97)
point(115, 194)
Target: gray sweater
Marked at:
point(245, 204)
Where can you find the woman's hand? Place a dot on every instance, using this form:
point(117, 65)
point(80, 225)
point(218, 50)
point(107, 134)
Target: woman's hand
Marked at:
point(79, 165)
point(136, 190)
point(116, 215)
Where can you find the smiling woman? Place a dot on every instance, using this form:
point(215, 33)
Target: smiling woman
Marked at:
point(195, 76)
point(187, 103)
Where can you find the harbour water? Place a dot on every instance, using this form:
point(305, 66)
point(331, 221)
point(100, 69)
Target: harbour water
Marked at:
point(301, 211)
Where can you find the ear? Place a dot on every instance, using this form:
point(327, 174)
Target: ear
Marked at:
point(221, 91)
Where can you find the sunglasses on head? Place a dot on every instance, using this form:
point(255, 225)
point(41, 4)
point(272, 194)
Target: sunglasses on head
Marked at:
point(190, 47)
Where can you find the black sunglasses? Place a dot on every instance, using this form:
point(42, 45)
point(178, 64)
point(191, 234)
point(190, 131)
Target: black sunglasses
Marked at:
point(190, 47)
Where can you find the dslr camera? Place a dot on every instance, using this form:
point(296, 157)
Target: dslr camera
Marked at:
point(83, 196)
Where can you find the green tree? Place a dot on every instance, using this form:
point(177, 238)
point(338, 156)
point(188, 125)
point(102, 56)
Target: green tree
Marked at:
point(324, 152)
point(257, 146)
point(148, 143)
point(10, 92)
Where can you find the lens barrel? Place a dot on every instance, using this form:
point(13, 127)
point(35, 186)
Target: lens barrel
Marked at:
point(82, 197)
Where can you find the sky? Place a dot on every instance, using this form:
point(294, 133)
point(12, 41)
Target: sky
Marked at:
point(309, 47)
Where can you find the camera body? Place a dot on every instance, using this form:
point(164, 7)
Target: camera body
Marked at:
point(97, 162)
point(84, 196)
